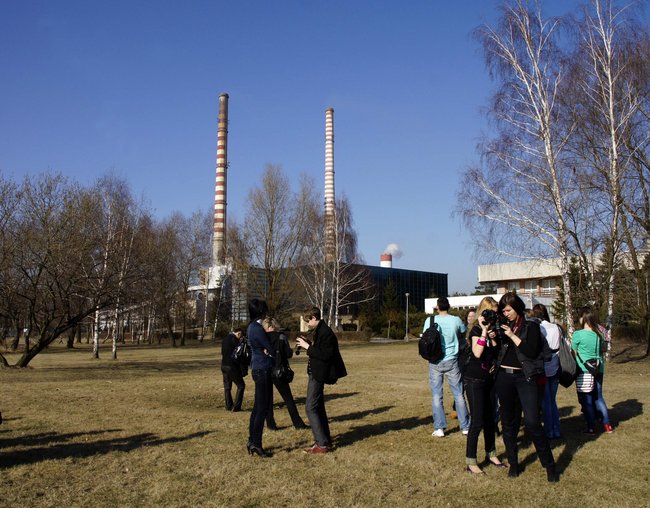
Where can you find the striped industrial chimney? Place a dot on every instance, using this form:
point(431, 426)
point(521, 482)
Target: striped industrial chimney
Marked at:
point(329, 185)
point(219, 236)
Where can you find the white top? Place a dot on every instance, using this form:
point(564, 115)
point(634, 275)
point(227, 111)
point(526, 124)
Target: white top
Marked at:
point(551, 332)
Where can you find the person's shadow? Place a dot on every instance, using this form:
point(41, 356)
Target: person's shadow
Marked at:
point(41, 447)
point(575, 439)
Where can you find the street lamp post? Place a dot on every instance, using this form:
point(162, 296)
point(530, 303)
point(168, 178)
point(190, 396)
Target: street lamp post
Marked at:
point(406, 336)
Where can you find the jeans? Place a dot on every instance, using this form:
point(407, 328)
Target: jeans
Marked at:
point(315, 409)
point(437, 372)
point(550, 410)
point(481, 407)
point(515, 394)
point(263, 390)
point(593, 401)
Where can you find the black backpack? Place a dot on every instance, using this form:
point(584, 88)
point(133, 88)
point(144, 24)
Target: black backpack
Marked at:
point(430, 344)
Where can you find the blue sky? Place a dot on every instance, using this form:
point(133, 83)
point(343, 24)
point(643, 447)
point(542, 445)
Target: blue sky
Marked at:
point(132, 87)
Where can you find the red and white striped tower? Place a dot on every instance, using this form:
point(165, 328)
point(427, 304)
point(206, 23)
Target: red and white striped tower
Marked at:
point(219, 237)
point(329, 185)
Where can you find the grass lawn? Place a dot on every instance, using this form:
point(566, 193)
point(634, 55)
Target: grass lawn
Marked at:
point(150, 429)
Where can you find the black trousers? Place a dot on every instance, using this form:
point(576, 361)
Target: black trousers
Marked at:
point(263, 390)
point(513, 389)
point(481, 409)
point(233, 375)
point(284, 389)
point(315, 409)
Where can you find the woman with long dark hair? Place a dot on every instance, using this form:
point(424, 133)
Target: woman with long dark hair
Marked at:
point(520, 366)
point(478, 382)
point(261, 365)
point(588, 345)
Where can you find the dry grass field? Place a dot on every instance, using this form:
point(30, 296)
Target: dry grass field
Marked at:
point(150, 430)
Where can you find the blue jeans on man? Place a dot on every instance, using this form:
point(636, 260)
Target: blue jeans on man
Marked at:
point(437, 373)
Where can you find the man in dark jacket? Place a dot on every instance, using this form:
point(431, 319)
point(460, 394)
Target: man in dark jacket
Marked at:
point(232, 371)
point(323, 355)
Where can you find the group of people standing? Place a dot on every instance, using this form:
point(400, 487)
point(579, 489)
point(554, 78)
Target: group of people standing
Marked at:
point(506, 362)
point(270, 348)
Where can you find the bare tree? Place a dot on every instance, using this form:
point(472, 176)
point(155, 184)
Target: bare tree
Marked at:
point(11, 309)
point(351, 282)
point(333, 280)
point(58, 279)
point(192, 254)
point(605, 106)
point(269, 242)
point(521, 200)
point(119, 217)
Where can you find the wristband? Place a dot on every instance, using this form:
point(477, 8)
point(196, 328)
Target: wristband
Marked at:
point(481, 342)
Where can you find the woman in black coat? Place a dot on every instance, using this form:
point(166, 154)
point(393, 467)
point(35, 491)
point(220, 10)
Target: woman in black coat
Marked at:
point(281, 353)
point(520, 370)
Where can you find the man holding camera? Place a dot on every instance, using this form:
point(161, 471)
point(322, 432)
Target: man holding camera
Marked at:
point(451, 330)
point(323, 353)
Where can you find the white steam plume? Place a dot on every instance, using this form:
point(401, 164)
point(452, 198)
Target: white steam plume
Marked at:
point(394, 250)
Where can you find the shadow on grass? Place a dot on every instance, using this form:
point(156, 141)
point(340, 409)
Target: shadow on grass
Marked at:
point(167, 366)
point(48, 437)
point(86, 449)
point(360, 414)
point(632, 359)
point(361, 432)
point(574, 439)
point(328, 397)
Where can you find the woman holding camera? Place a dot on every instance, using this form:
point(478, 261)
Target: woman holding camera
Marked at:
point(479, 382)
point(282, 352)
point(520, 367)
point(588, 345)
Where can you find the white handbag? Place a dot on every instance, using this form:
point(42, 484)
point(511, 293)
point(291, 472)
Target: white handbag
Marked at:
point(585, 382)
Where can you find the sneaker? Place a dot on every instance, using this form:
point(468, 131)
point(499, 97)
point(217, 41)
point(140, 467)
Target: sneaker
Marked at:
point(465, 432)
point(438, 433)
point(608, 428)
point(589, 432)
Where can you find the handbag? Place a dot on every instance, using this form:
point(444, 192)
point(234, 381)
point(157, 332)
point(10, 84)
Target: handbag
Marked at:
point(282, 373)
point(568, 368)
point(585, 382)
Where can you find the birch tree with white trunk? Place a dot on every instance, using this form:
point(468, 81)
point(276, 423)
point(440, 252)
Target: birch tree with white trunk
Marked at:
point(518, 203)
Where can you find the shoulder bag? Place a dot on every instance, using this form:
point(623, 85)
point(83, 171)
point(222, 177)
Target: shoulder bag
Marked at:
point(593, 364)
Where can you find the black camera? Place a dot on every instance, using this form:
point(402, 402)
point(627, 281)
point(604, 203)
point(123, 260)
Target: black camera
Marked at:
point(298, 348)
point(490, 317)
point(494, 320)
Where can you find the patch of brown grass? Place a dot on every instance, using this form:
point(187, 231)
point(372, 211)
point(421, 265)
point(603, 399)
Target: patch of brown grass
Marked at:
point(150, 430)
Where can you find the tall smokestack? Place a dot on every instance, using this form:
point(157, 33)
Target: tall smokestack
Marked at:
point(329, 185)
point(219, 237)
